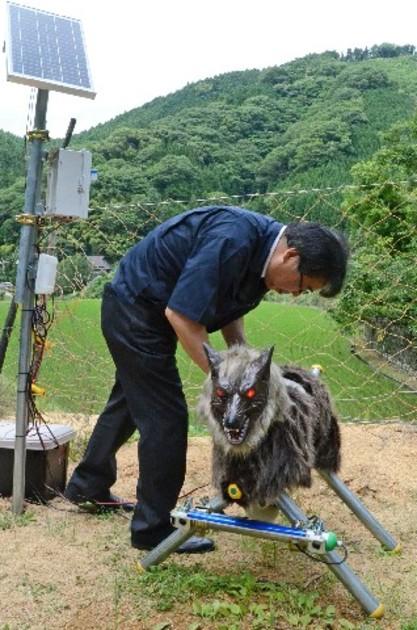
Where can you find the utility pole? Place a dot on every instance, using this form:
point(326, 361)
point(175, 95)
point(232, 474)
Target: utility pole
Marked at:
point(25, 294)
point(60, 64)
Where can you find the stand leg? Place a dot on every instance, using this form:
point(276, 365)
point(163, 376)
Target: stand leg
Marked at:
point(166, 547)
point(342, 571)
point(177, 538)
point(359, 509)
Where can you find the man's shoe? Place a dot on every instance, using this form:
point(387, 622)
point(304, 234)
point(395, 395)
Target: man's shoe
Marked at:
point(109, 503)
point(195, 544)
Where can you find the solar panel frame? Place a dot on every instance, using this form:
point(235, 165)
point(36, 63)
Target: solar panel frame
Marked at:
point(38, 46)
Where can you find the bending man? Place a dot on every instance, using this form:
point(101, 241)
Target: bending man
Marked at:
point(196, 273)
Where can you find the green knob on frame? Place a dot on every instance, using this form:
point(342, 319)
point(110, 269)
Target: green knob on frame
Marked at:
point(331, 541)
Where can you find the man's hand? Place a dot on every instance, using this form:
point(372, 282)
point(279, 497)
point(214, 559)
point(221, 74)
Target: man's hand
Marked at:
point(234, 333)
point(191, 336)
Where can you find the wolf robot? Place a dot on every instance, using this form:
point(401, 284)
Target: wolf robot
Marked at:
point(270, 426)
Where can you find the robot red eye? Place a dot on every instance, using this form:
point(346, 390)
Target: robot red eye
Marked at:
point(250, 393)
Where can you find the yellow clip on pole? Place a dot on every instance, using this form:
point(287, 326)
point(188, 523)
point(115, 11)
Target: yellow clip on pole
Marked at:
point(37, 391)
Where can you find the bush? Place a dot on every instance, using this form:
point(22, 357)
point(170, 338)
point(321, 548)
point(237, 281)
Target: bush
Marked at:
point(94, 289)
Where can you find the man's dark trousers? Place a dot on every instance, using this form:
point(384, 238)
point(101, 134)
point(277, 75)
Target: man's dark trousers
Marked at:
point(147, 395)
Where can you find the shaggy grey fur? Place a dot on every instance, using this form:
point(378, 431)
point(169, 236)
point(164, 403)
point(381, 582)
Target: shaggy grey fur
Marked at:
point(287, 433)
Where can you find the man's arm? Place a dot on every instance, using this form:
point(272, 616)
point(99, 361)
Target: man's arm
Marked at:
point(191, 336)
point(234, 332)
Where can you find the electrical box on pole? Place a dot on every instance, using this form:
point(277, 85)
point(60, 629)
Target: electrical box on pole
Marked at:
point(69, 178)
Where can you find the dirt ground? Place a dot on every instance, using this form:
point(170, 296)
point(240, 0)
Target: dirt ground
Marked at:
point(59, 566)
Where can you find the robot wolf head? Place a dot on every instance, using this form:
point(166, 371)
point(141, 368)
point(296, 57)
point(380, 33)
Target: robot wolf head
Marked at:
point(241, 400)
point(270, 425)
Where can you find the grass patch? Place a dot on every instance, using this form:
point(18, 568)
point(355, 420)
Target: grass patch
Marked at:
point(78, 371)
point(8, 520)
point(230, 601)
point(7, 397)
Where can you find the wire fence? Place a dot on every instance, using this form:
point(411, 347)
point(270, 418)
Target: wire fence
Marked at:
point(365, 340)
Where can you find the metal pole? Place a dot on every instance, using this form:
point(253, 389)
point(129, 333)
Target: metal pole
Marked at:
point(24, 297)
point(166, 547)
point(177, 538)
point(68, 135)
point(362, 512)
point(342, 571)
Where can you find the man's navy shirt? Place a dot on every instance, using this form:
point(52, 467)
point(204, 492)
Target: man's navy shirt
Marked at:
point(205, 263)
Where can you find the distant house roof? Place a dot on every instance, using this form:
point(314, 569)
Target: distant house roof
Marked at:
point(99, 263)
point(6, 286)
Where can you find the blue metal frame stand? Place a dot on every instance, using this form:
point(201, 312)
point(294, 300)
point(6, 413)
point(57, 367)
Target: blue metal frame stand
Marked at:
point(313, 537)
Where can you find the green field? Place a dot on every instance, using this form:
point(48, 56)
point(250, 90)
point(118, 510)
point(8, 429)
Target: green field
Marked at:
point(77, 370)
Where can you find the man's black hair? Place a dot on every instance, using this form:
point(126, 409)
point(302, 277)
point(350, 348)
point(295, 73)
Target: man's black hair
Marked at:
point(324, 253)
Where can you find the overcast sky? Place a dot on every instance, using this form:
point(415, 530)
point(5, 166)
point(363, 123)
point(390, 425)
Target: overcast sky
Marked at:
point(141, 49)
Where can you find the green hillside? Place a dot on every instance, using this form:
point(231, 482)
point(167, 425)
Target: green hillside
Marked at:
point(303, 124)
point(253, 130)
point(12, 163)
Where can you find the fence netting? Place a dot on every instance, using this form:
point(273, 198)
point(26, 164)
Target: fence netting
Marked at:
point(364, 340)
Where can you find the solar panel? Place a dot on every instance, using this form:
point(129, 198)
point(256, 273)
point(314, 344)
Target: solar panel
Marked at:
point(47, 51)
